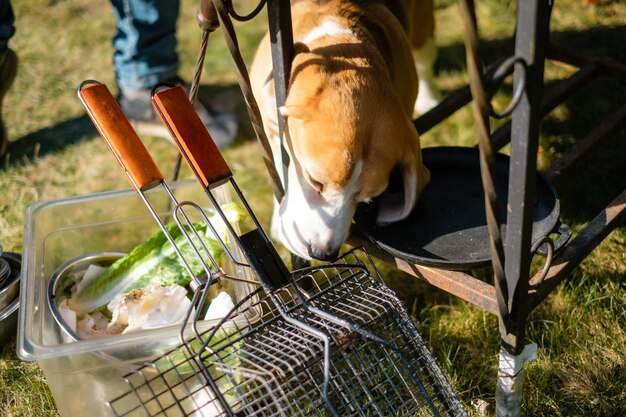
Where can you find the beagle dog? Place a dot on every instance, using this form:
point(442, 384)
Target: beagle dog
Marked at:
point(349, 109)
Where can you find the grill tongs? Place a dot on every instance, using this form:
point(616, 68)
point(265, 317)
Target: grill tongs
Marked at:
point(345, 346)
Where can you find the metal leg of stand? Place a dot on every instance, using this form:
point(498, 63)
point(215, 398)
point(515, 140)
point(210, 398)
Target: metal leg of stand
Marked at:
point(531, 40)
point(510, 383)
point(530, 46)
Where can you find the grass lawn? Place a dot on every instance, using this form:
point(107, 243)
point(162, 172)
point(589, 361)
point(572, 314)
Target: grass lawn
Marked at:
point(580, 329)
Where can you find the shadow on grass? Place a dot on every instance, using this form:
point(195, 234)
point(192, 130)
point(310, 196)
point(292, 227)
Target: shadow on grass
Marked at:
point(601, 175)
point(48, 140)
point(54, 139)
point(607, 41)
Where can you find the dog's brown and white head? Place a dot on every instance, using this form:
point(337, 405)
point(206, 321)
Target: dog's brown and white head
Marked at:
point(348, 133)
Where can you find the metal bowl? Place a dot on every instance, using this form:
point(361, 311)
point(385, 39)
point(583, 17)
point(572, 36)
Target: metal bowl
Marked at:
point(448, 227)
point(66, 271)
point(8, 322)
point(11, 283)
point(104, 259)
point(5, 272)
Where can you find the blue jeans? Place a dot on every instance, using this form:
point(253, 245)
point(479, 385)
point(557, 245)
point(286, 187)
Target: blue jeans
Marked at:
point(145, 42)
point(7, 25)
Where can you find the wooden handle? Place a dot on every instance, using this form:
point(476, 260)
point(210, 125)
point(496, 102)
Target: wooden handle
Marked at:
point(191, 136)
point(117, 132)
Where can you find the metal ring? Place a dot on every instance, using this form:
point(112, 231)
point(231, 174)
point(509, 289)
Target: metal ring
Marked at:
point(243, 18)
point(504, 70)
point(549, 253)
point(84, 83)
point(159, 85)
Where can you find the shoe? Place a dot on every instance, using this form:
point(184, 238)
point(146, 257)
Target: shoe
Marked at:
point(135, 104)
point(8, 69)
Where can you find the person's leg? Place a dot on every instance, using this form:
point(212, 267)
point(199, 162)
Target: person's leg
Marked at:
point(8, 61)
point(145, 55)
point(145, 42)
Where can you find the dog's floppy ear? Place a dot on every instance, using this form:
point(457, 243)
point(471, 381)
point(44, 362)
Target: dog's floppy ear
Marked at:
point(289, 109)
point(269, 95)
point(406, 182)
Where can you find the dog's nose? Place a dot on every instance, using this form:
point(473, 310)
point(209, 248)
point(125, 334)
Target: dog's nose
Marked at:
point(325, 254)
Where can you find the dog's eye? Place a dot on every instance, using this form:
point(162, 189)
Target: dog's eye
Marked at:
point(316, 185)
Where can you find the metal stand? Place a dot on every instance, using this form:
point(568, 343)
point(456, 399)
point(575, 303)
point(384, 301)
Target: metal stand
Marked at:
point(524, 293)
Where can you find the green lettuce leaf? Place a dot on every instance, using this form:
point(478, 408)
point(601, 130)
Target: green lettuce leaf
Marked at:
point(156, 262)
point(152, 262)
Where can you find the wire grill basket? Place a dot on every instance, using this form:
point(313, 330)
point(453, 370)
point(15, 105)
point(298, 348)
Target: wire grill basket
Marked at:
point(376, 365)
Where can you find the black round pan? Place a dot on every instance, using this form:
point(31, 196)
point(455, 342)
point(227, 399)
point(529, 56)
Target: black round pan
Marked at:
point(447, 228)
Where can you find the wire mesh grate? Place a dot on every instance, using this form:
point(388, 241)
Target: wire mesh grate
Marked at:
point(348, 348)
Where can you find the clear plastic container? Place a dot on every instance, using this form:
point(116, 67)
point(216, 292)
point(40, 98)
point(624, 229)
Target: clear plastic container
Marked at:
point(83, 375)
